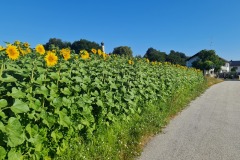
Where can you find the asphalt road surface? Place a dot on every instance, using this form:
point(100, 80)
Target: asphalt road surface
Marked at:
point(208, 129)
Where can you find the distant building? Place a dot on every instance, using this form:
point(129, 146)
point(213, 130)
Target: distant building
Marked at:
point(224, 69)
point(235, 65)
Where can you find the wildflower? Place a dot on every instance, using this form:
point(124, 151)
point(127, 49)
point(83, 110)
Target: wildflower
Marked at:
point(94, 51)
point(12, 52)
point(40, 49)
point(147, 60)
point(51, 59)
point(76, 56)
point(84, 54)
point(66, 53)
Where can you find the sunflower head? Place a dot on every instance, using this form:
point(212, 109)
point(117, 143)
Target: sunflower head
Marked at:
point(65, 53)
point(130, 62)
point(17, 43)
point(99, 51)
point(94, 51)
point(24, 51)
point(12, 52)
point(51, 59)
point(40, 49)
point(104, 56)
point(153, 63)
point(84, 54)
point(25, 44)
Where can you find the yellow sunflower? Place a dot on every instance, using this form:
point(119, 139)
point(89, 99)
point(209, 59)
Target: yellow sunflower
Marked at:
point(153, 63)
point(84, 54)
point(130, 62)
point(22, 51)
point(17, 43)
point(94, 51)
point(28, 50)
point(25, 44)
point(40, 49)
point(99, 51)
point(25, 51)
point(12, 52)
point(51, 59)
point(104, 56)
point(66, 53)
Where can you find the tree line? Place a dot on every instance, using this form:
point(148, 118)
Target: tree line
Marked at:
point(208, 59)
point(152, 54)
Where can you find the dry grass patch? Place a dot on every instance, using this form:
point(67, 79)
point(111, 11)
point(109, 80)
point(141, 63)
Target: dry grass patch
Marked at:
point(211, 80)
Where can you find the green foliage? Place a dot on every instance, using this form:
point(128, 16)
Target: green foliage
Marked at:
point(154, 55)
point(176, 58)
point(45, 111)
point(233, 69)
point(126, 139)
point(208, 60)
point(54, 43)
point(123, 51)
point(84, 44)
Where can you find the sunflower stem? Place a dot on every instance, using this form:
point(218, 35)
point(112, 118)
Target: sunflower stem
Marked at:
point(32, 75)
point(58, 75)
point(44, 84)
point(2, 68)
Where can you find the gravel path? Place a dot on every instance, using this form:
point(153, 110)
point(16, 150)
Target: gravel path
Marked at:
point(209, 129)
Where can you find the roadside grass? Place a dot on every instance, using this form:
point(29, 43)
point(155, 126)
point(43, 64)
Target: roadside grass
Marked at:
point(126, 140)
point(211, 80)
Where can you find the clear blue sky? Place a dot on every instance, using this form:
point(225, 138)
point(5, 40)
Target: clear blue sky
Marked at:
point(186, 26)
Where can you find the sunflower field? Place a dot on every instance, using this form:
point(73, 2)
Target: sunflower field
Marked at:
point(50, 98)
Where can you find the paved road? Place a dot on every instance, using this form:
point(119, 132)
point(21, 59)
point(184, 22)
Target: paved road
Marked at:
point(209, 129)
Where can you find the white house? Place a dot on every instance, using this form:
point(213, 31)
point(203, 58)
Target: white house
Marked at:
point(235, 65)
point(225, 68)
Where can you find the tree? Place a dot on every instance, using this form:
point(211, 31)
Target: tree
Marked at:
point(84, 44)
point(208, 59)
point(56, 43)
point(154, 55)
point(138, 56)
point(123, 51)
point(177, 58)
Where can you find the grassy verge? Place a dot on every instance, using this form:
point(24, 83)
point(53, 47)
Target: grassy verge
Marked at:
point(125, 140)
point(211, 80)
